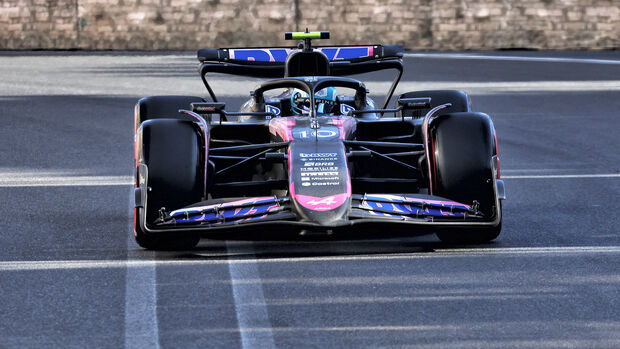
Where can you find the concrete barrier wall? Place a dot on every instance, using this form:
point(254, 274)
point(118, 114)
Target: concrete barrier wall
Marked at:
point(416, 24)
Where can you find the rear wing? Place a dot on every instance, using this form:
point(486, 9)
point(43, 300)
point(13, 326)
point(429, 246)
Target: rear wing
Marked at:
point(277, 55)
point(261, 62)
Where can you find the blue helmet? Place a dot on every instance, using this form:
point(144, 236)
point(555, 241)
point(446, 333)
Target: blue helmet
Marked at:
point(324, 100)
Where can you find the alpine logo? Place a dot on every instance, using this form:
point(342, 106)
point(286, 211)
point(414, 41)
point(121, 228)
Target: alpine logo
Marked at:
point(330, 200)
point(271, 109)
point(345, 109)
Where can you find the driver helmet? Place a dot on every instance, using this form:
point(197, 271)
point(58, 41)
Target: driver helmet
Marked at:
point(325, 101)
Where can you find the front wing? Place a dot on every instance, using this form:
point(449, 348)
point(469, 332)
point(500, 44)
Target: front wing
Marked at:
point(408, 212)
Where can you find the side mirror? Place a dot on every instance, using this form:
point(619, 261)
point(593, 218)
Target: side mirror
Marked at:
point(412, 107)
point(415, 103)
point(208, 107)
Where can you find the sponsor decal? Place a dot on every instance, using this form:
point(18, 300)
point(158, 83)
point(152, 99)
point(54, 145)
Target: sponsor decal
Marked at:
point(280, 54)
point(318, 155)
point(345, 109)
point(315, 174)
point(319, 172)
point(330, 200)
point(271, 109)
point(343, 53)
point(322, 174)
point(259, 54)
point(399, 198)
point(319, 163)
point(400, 204)
point(322, 203)
point(213, 213)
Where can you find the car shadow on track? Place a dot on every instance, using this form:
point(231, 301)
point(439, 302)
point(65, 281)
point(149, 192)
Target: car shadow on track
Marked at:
point(215, 250)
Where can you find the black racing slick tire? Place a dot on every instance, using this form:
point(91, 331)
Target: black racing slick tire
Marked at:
point(159, 107)
point(463, 145)
point(171, 151)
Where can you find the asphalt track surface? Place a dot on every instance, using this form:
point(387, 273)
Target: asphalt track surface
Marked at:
point(72, 277)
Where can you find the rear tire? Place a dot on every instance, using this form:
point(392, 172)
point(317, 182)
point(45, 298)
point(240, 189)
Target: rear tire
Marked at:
point(171, 151)
point(162, 107)
point(463, 145)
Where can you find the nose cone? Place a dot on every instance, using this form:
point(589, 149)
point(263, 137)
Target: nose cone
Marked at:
point(319, 181)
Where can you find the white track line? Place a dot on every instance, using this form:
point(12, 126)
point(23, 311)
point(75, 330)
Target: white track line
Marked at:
point(441, 253)
point(513, 58)
point(250, 306)
point(15, 180)
point(141, 328)
point(79, 181)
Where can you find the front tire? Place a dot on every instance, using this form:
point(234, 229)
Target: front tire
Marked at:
point(463, 146)
point(170, 149)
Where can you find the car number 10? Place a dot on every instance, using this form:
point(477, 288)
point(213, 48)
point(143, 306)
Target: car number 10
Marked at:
point(319, 134)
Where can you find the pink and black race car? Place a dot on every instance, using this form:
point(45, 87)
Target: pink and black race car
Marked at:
point(310, 153)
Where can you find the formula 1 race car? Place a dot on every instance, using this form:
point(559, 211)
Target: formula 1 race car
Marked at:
point(309, 153)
